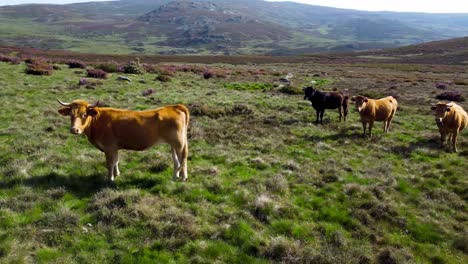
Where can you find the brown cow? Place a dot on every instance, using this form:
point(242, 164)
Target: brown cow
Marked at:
point(371, 110)
point(110, 130)
point(451, 120)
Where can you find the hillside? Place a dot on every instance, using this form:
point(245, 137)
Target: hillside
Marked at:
point(217, 27)
point(265, 184)
point(452, 51)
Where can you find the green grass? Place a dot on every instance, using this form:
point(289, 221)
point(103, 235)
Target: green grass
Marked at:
point(265, 183)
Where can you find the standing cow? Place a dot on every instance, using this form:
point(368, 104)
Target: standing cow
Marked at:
point(326, 100)
point(451, 119)
point(371, 110)
point(110, 130)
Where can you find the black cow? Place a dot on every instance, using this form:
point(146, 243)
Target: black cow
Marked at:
point(326, 100)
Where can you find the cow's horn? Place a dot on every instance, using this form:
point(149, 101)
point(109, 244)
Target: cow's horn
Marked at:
point(95, 104)
point(62, 103)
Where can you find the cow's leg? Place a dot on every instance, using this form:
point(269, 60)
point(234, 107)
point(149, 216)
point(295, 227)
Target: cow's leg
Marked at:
point(318, 114)
point(371, 123)
point(176, 164)
point(341, 112)
point(116, 168)
point(389, 122)
point(454, 139)
point(364, 124)
point(385, 126)
point(321, 116)
point(181, 151)
point(112, 158)
point(183, 159)
point(443, 134)
point(345, 111)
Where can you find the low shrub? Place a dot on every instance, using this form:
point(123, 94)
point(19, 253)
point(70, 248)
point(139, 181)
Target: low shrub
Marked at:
point(163, 78)
point(12, 60)
point(289, 89)
point(206, 110)
point(461, 82)
point(83, 81)
point(441, 85)
point(108, 67)
point(96, 73)
point(39, 67)
point(451, 96)
point(76, 64)
point(147, 92)
point(133, 67)
point(240, 109)
point(207, 74)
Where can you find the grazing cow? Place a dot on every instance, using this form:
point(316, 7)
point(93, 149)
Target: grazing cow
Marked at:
point(451, 120)
point(371, 110)
point(110, 130)
point(326, 100)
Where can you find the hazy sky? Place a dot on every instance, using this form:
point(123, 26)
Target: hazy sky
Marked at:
point(15, 2)
point(431, 6)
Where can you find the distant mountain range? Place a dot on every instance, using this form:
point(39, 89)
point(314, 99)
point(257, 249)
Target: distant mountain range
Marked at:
point(217, 27)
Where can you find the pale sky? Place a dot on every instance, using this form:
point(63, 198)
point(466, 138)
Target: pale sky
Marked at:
point(16, 2)
point(429, 6)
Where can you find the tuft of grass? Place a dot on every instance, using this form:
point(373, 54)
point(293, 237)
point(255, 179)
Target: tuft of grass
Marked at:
point(39, 67)
point(248, 86)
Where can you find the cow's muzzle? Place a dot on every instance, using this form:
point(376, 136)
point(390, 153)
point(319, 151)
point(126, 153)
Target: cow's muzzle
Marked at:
point(75, 131)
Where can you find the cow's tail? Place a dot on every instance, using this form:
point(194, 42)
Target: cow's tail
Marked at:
point(183, 162)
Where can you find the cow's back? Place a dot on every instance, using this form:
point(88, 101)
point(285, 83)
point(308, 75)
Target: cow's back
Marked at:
point(385, 108)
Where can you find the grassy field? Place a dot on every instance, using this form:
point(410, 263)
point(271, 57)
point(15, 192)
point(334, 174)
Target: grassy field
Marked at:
point(265, 183)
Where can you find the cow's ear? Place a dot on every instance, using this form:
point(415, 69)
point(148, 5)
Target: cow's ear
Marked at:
point(65, 111)
point(353, 98)
point(91, 112)
point(433, 108)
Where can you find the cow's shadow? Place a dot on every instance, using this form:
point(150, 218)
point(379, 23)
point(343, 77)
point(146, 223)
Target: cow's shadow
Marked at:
point(405, 151)
point(79, 185)
point(341, 134)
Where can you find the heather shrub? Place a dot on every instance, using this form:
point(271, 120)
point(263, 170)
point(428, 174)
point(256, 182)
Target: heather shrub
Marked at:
point(96, 73)
point(441, 85)
point(12, 60)
point(451, 96)
point(76, 64)
point(39, 67)
point(147, 92)
point(83, 81)
point(207, 74)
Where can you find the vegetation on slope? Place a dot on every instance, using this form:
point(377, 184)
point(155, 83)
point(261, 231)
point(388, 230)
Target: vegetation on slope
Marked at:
point(265, 183)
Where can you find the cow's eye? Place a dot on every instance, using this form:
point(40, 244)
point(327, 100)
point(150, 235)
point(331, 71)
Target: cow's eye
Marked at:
point(84, 116)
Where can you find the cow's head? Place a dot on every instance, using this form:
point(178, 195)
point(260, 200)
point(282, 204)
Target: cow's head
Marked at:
point(309, 92)
point(440, 110)
point(80, 113)
point(359, 102)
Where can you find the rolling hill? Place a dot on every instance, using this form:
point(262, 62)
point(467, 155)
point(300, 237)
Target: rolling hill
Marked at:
point(217, 27)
